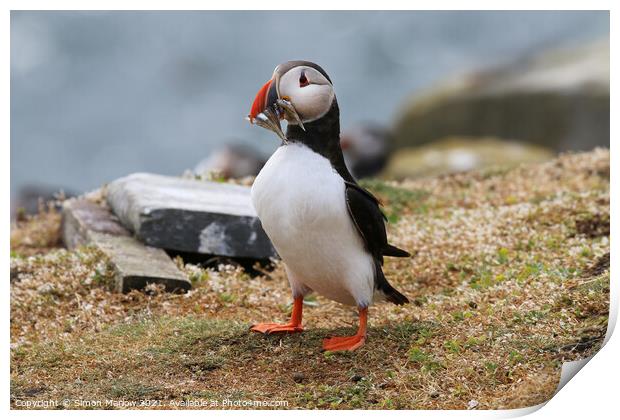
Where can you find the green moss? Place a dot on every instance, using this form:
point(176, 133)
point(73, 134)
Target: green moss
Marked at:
point(227, 297)
point(491, 367)
point(424, 334)
point(417, 355)
point(198, 277)
point(502, 256)
point(515, 357)
point(453, 346)
point(104, 277)
point(475, 342)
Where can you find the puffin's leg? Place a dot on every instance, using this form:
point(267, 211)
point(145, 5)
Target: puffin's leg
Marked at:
point(294, 326)
point(349, 343)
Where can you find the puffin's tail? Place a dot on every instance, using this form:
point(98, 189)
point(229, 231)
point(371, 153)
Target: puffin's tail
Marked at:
point(391, 294)
point(392, 251)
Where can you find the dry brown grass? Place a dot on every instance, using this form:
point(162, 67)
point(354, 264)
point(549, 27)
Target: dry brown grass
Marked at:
point(35, 234)
point(510, 279)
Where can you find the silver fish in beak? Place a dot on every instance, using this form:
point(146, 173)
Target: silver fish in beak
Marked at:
point(270, 119)
point(290, 112)
point(268, 110)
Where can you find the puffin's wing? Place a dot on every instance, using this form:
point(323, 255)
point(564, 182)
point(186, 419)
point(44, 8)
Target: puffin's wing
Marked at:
point(367, 218)
point(370, 222)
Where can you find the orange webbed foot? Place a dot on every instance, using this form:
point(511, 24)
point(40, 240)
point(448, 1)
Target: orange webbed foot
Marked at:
point(294, 326)
point(351, 343)
point(271, 328)
point(344, 343)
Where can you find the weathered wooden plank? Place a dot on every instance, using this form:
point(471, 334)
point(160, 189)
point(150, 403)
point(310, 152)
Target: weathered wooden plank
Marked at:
point(136, 265)
point(190, 215)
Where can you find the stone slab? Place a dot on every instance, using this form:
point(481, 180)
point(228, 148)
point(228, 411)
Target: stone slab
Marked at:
point(136, 265)
point(190, 215)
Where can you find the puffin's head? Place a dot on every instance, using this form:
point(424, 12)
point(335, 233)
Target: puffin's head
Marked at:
point(299, 92)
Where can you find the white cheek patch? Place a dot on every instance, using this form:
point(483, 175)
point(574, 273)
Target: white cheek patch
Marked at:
point(313, 101)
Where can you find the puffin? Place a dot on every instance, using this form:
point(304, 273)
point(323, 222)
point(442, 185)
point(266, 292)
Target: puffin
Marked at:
point(232, 160)
point(328, 230)
point(366, 149)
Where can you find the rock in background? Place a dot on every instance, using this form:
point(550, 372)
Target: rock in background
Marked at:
point(459, 154)
point(559, 99)
point(190, 216)
point(31, 198)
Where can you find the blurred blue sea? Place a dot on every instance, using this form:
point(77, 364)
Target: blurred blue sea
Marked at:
point(98, 95)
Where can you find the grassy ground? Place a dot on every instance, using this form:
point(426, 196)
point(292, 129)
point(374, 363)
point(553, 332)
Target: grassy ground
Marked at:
point(510, 279)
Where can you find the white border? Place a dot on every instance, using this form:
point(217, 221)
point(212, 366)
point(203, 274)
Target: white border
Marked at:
point(593, 393)
point(313, 5)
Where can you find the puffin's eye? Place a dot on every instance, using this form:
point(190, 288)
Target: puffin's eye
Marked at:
point(303, 80)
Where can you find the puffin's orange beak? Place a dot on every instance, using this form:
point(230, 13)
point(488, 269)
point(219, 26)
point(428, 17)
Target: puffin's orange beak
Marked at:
point(265, 111)
point(260, 102)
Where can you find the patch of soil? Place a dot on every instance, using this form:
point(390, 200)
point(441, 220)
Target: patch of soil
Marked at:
point(593, 226)
point(599, 267)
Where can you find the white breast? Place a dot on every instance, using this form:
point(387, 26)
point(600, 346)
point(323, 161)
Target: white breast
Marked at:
point(300, 200)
